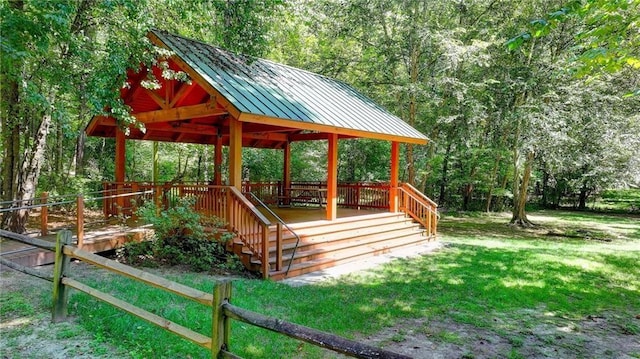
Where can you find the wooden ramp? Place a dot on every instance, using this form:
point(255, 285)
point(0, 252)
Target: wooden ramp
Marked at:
point(325, 244)
point(95, 241)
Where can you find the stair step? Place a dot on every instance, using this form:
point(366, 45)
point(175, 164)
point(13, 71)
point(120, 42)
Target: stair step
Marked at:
point(345, 239)
point(323, 230)
point(316, 264)
point(368, 244)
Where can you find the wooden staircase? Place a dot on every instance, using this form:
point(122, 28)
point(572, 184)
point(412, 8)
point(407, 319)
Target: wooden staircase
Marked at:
point(325, 244)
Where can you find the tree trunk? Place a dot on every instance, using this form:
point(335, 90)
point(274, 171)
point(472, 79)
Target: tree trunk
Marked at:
point(79, 155)
point(29, 175)
point(582, 200)
point(11, 129)
point(493, 178)
point(520, 197)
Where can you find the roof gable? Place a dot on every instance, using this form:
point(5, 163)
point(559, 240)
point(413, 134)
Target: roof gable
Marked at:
point(261, 90)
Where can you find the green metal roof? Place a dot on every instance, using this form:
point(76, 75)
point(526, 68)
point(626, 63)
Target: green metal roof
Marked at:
point(266, 88)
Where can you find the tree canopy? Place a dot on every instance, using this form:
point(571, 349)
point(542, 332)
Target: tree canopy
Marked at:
point(520, 98)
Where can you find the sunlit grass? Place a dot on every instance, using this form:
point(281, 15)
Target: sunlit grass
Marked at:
point(487, 271)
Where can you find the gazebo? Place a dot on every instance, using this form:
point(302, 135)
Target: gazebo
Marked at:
point(237, 101)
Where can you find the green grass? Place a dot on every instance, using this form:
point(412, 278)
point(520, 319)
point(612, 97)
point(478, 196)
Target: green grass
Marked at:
point(489, 275)
point(621, 200)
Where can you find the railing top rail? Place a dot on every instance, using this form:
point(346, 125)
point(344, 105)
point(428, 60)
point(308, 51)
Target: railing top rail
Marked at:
point(236, 192)
point(128, 194)
point(417, 193)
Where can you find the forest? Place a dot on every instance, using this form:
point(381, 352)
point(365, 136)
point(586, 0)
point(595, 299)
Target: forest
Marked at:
point(525, 102)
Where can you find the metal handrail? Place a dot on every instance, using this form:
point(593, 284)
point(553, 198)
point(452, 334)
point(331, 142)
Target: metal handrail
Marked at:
point(281, 222)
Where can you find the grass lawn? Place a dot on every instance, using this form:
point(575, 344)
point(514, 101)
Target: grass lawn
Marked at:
point(567, 288)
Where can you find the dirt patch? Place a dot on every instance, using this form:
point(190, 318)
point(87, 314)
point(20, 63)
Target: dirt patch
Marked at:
point(591, 337)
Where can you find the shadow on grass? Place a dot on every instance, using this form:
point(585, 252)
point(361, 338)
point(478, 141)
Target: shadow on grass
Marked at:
point(468, 283)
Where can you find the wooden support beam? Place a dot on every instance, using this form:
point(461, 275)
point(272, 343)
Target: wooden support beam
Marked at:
point(272, 136)
point(183, 92)
point(180, 113)
point(217, 160)
point(120, 155)
point(235, 154)
point(286, 175)
point(156, 98)
point(315, 136)
point(120, 164)
point(393, 191)
point(332, 178)
point(310, 126)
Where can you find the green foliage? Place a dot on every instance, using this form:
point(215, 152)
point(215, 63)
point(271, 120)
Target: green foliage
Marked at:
point(180, 239)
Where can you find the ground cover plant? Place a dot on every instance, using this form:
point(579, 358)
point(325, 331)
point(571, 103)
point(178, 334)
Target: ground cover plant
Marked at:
point(569, 287)
point(181, 236)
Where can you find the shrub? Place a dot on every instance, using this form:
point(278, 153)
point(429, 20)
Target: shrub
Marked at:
point(180, 239)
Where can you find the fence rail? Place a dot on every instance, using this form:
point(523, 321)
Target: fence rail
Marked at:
point(222, 311)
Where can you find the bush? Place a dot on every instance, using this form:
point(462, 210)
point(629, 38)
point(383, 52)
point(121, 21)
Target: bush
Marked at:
point(180, 239)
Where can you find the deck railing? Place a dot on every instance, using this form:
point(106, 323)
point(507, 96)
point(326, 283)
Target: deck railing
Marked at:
point(350, 194)
point(251, 226)
point(419, 207)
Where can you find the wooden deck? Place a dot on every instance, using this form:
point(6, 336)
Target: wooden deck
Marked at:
point(309, 242)
point(95, 240)
point(309, 214)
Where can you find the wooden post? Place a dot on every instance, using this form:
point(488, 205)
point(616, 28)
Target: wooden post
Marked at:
point(286, 174)
point(135, 188)
point(332, 178)
point(80, 220)
point(220, 324)
point(156, 163)
point(60, 291)
point(393, 191)
point(235, 154)
point(279, 247)
point(120, 166)
point(229, 211)
point(106, 201)
point(217, 160)
point(44, 214)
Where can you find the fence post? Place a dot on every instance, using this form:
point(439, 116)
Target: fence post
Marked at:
point(80, 220)
point(44, 214)
point(60, 291)
point(220, 324)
